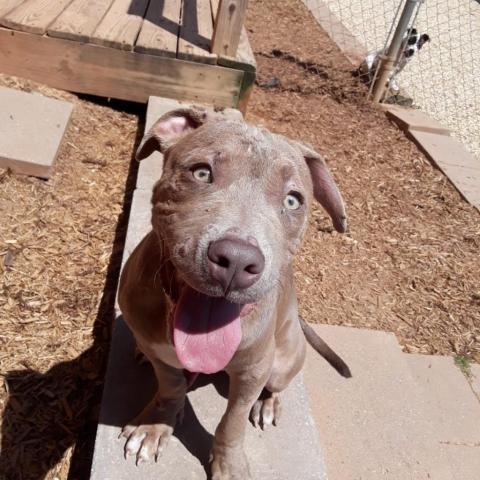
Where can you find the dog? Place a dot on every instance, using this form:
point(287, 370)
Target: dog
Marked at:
point(412, 43)
point(210, 288)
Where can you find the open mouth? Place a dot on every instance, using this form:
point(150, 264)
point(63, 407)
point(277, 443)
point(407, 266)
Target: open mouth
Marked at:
point(206, 330)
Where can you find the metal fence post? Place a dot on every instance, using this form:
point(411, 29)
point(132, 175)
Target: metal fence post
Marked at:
point(388, 62)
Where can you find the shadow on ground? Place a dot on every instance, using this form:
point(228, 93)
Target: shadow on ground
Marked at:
point(190, 21)
point(49, 412)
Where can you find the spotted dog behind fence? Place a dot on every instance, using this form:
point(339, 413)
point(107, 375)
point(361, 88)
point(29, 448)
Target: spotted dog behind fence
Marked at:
point(412, 44)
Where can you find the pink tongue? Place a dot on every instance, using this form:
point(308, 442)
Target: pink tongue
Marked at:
point(206, 331)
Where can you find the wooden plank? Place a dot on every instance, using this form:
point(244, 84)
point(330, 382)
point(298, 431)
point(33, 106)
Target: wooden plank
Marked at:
point(6, 6)
point(79, 20)
point(34, 16)
point(159, 33)
point(196, 30)
point(110, 72)
point(120, 26)
point(246, 91)
point(244, 59)
point(228, 27)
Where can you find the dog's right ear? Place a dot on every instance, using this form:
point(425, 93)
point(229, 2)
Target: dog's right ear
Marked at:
point(169, 128)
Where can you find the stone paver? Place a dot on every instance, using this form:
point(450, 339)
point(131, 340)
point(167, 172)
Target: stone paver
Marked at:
point(371, 425)
point(31, 129)
point(413, 119)
point(290, 451)
point(400, 417)
point(454, 160)
point(453, 409)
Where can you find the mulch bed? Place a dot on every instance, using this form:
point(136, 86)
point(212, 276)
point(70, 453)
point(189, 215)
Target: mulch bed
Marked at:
point(409, 263)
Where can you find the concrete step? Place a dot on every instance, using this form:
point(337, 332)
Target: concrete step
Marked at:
point(388, 421)
point(452, 407)
point(290, 451)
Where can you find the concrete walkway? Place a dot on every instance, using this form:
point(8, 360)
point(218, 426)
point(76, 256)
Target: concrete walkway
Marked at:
point(401, 416)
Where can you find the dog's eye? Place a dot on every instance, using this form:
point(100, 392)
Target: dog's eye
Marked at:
point(202, 173)
point(293, 201)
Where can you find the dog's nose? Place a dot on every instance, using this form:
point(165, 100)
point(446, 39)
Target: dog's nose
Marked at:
point(235, 263)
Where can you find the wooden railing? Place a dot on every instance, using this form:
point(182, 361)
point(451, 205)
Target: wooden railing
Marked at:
point(228, 27)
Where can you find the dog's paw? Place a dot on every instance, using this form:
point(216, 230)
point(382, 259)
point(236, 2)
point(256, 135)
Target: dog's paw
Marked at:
point(229, 463)
point(146, 442)
point(148, 434)
point(266, 411)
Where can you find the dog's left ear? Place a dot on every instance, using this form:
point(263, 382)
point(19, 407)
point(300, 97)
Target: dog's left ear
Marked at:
point(168, 128)
point(325, 189)
point(423, 39)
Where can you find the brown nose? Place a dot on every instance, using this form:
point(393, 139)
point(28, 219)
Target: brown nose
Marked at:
point(235, 263)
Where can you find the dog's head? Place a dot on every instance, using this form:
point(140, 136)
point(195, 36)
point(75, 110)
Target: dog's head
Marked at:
point(232, 203)
point(414, 42)
point(230, 211)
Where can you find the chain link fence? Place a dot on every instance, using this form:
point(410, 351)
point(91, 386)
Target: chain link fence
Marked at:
point(443, 78)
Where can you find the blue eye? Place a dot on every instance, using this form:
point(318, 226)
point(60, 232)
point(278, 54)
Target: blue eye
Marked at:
point(202, 174)
point(292, 201)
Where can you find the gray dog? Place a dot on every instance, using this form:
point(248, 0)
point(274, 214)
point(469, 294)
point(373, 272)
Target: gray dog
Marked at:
point(210, 288)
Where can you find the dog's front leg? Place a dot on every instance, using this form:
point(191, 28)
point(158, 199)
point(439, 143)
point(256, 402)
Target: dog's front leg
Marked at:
point(148, 434)
point(228, 460)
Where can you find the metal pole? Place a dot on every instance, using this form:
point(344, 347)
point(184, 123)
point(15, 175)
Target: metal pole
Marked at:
point(388, 61)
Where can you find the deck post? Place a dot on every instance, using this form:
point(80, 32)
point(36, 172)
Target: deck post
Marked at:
point(228, 27)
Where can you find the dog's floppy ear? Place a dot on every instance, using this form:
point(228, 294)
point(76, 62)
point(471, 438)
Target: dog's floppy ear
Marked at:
point(423, 39)
point(168, 128)
point(325, 189)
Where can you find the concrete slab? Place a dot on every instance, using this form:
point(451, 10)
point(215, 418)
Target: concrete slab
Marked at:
point(372, 426)
point(413, 119)
point(462, 168)
point(453, 409)
point(287, 452)
point(31, 129)
point(475, 380)
point(140, 222)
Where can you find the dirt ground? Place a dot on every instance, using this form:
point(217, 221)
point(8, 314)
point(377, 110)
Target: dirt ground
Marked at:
point(409, 264)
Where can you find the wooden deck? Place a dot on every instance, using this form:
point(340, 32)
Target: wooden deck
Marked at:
point(127, 49)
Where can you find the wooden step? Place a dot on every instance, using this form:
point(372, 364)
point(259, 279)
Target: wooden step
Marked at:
point(120, 26)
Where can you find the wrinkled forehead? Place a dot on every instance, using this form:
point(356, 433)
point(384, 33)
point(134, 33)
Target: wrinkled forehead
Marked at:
point(247, 149)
